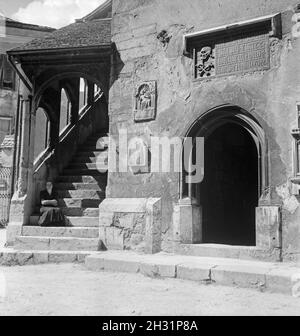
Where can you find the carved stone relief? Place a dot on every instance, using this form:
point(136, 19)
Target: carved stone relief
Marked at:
point(245, 53)
point(275, 48)
point(164, 37)
point(235, 50)
point(145, 102)
point(205, 63)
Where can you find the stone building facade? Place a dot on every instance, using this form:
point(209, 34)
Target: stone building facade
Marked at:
point(12, 35)
point(225, 71)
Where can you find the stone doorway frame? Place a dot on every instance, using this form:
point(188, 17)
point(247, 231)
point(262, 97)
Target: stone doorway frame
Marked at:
point(188, 212)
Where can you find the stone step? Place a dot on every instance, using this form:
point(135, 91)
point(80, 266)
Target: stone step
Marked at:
point(77, 212)
point(72, 221)
point(100, 178)
point(261, 276)
point(89, 153)
point(226, 251)
point(57, 243)
point(84, 159)
point(67, 232)
point(80, 212)
point(92, 148)
point(100, 187)
point(98, 135)
point(79, 203)
point(86, 194)
point(84, 166)
point(103, 139)
point(84, 172)
point(99, 142)
point(11, 257)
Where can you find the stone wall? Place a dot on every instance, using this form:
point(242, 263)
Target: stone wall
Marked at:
point(270, 96)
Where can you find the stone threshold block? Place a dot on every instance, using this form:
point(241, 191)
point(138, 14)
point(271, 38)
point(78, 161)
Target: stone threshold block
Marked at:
point(131, 224)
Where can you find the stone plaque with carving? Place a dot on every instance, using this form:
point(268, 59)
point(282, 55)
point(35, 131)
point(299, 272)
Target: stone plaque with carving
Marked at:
point(232, 54)
point(145, 102)
point(243, 55)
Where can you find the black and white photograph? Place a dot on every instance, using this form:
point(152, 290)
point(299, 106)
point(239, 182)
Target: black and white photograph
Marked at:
point(149, 161)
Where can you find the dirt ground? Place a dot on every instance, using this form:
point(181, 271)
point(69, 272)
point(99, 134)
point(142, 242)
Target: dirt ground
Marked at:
point(73, 290)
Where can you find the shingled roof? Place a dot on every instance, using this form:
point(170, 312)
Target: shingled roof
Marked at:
point(76, 35)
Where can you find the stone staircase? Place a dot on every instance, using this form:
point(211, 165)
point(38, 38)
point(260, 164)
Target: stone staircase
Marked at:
point(81, 189)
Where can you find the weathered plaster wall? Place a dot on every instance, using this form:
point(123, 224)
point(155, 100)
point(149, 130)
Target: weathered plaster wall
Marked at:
point(270, 96)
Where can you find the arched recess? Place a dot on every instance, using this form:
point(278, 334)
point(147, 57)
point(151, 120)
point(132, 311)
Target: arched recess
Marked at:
point(65, 110)
point(61, 93)
point(235, 149)
point(83, 93)
point(67, 75)
point(42, 133)
point(97, 91)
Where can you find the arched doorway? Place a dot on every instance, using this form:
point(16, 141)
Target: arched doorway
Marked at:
point(229, 191)
point(235, 175)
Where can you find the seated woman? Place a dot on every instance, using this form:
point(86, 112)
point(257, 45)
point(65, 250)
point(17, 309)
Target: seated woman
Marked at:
point(51, 215)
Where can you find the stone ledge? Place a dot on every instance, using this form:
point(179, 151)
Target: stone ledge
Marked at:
point(194, 271)
point(262, 276)
point(36, 243)
point(249, 276)
point(10, 257)
point(227, 251)
point(127, 205)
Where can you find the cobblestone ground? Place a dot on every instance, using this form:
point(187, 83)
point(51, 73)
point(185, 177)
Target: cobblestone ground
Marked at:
point(73, 290)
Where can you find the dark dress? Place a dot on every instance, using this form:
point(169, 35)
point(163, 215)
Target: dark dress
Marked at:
point(50, 216)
